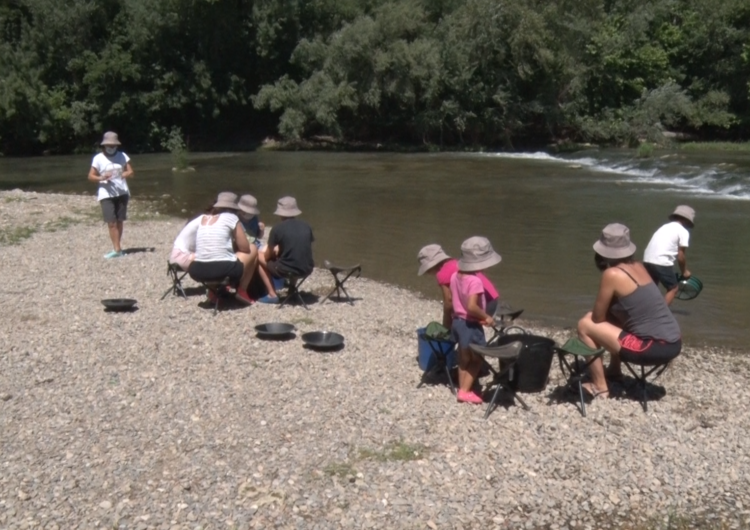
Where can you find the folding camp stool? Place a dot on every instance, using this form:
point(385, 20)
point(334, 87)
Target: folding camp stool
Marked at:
point(507, 356)
point(293, 283)
point(642, 378)
point(335, 270)
point(218, 288)
point(575, 370)
point(176, 274)
point(441, 347)
point(504, 317)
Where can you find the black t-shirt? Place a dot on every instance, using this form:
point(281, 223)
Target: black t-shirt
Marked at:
point(294, 238)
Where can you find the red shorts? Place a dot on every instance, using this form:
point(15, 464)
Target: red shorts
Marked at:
point(647, 351)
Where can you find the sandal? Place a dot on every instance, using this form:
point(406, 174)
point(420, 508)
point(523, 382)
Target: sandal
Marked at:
point(593, 393)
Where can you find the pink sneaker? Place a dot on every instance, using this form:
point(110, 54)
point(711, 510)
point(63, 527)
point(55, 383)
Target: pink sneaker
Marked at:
point(469, 397)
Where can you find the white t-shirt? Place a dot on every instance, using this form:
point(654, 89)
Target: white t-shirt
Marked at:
point(662, 249)
point(214, 242)
point(185, 240)
point(116, 185)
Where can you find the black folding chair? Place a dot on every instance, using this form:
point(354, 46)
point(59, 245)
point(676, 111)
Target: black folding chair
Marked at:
point(176, 274)
point(507, 357)
point(293, 282)
point(641, 378)
point(575, 370)
point(524, 364)
point(219, 290)
point(335, 271)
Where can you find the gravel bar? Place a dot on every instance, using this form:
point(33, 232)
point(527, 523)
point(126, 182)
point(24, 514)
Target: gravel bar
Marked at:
point(170, 417)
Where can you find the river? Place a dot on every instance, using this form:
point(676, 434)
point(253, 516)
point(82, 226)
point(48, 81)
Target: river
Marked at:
point(541, 212)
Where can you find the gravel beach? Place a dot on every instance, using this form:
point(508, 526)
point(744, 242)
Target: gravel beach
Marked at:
point(170, 417)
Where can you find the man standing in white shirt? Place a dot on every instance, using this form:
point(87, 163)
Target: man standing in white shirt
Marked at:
point(667, 245)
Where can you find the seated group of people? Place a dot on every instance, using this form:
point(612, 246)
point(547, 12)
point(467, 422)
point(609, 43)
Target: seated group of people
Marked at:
point(226, 242)
point(631, 319)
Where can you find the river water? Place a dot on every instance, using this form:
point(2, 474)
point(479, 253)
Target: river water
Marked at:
point(542, 214)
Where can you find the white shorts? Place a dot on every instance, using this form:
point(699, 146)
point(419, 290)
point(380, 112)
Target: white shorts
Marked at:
point(183, 259)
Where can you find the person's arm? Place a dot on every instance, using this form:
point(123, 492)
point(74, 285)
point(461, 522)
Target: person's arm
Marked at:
point(475, 311)
point(447, 306)
point(240, 241)
point(94, 175)
point(604, 296)
point(128, 173)
point(682, 262)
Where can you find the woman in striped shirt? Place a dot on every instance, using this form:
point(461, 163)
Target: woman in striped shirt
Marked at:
point(215, 257)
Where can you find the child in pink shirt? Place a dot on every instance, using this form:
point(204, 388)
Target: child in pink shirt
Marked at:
point(433, 260)
point(470, 311)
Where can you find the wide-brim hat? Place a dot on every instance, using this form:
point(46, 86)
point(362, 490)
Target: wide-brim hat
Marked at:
point(287, 207)
point(686, 212)
point(249, 205)
point(226, 199)
point(430, 256)
point(477, 254)
point(614, 243)
point(110, 138)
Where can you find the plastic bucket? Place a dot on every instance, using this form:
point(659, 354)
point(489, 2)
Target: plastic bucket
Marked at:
point(426, 351)
point(531, 372)
point(688, 288)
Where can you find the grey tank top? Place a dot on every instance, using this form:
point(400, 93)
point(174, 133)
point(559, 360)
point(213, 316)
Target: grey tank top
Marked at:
point(645, 313)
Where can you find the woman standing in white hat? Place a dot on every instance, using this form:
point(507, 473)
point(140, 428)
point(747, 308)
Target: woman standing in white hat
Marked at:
point(110, 169)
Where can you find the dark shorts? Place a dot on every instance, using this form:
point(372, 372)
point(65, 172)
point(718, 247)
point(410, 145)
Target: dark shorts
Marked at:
point(115, 208)
point(465, 333)
point(207, 271)
point(662, 274)
point(278, 270)
point(648, 352)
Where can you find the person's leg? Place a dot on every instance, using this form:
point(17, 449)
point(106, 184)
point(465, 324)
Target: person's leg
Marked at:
point(669, 297)
point(465, 380)
point(263, 273)
point(600, 335)
point(121, 214)
point(114, 235)
point(249, 263)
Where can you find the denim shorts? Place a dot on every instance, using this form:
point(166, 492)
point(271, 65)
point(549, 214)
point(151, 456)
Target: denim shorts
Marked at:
point(467, 332)
point(662, 274)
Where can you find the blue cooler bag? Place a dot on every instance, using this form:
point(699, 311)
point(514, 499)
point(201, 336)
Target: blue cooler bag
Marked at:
point(427, 347)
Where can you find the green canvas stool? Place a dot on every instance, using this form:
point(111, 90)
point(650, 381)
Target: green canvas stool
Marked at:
point(574, 368)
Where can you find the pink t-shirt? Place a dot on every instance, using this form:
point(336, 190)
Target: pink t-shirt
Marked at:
point(450, 268)
point(463, 286)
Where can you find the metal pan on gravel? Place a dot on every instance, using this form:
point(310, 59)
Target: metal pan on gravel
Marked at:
point(275, 331)
point(323, 340)
point(120, 304)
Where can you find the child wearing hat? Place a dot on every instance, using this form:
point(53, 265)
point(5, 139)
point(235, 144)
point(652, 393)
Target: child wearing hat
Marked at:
point(470, 311)
point(110, 169)
point(667, 245)
point(433, 260)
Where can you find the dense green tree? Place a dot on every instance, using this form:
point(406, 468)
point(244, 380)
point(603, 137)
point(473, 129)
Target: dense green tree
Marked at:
point(439, 72)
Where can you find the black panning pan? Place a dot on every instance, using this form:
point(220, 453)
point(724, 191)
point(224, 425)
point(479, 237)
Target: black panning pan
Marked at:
point(119, 304)
point(323, 340)
point(275, 330)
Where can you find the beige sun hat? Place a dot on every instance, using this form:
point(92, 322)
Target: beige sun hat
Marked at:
point(287, 207)
point(614, 243)
point(226, 199)
point(430, 256)
point(477, 254)
point(110, 138)
point(248, 204)
point(686, 212)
